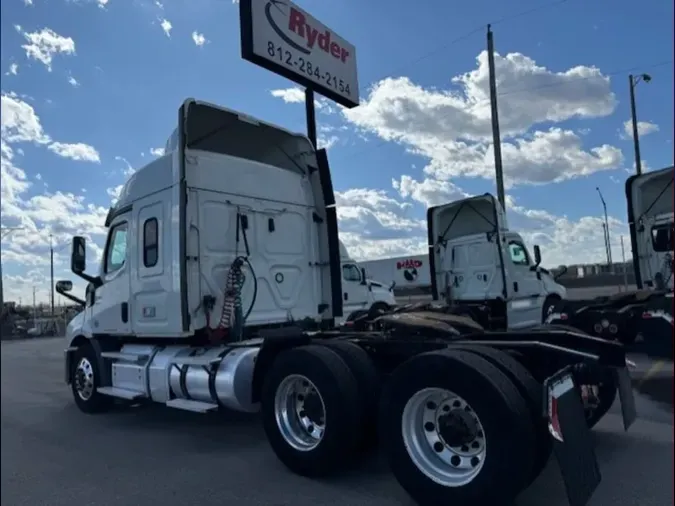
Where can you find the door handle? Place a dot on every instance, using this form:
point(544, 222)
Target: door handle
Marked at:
point(515, 286)
point(346, 296)
point(125, 312)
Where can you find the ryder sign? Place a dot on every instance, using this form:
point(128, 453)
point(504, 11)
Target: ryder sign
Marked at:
point(281, 37)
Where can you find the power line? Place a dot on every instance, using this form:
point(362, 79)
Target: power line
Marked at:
point(613, 73)
point(478, 29)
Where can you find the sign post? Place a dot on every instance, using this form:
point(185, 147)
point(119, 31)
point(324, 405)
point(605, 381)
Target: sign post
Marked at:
point(283, 38)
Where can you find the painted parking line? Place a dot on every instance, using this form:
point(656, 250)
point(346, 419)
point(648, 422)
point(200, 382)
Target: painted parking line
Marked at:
point(656, 367)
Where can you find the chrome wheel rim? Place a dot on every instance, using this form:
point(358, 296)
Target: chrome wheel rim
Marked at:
point(84, 379)
point(444, 437)
point(300, 412)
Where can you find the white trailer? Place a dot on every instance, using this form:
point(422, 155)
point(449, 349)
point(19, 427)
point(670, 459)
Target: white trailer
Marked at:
point(209, 281)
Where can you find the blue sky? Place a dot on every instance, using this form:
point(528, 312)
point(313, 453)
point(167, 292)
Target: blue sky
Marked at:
point(118, 75)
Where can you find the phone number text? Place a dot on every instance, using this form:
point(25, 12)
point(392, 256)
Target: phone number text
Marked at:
point(307, 67)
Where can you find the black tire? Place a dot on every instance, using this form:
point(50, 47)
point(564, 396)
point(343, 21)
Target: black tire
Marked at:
point(502, 411)
point(378, 308)
point(343, 417)
point(532, 391)
point(548, 307)
point(369, 383)
point(95, 402)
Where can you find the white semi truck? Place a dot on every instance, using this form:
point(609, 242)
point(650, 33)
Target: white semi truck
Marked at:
point(476, 260)
point(219, 252)
point(360, 292)
point(641, 318)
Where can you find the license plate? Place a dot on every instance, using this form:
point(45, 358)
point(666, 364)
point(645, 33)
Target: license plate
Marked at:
point(573, 443)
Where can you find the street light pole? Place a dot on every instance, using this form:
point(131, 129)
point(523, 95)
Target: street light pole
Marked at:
point(51, 269)
point(606, 227)
point(633, 81)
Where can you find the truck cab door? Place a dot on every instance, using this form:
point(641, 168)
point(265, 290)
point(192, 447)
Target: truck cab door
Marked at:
point(354, 292)
point(110, 311)
point(525, 288)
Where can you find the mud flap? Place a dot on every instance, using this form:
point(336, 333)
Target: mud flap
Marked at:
point(573, 444)
point(628, 409)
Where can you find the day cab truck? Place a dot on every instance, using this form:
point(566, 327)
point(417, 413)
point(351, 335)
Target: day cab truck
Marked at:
point(208, 278)
point(643, 318)
point(477, 263)
point(359, 292)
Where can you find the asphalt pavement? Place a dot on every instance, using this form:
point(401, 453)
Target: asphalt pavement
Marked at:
point(54, 455)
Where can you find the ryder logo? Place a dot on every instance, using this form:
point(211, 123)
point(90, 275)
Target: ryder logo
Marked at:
point(292, 25)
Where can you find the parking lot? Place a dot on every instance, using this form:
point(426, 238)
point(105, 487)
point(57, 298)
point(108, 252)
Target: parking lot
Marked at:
point(54, 455)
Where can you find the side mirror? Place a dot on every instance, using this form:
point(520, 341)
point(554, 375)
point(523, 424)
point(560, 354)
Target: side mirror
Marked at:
point(562, 270)
point(537, 255)
point(363, 276)
point(64, 286)
point(78, 255)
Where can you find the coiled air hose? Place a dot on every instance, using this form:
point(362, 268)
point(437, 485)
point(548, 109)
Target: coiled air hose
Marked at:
point(232, 318)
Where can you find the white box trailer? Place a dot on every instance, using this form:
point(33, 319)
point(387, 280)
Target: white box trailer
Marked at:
point(410, 273)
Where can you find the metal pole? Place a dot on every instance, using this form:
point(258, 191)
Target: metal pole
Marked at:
point(51, 268)
point(625, 270)
point(636, 138)
point(604, 235)
point(496, 137)
point(311, 115)
point(606, 226)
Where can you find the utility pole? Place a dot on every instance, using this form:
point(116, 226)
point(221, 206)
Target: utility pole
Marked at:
point(606, 227)
point(604, 236)
point(34, 310)
point(633, 82)
point(496, 137)
point(51, 270)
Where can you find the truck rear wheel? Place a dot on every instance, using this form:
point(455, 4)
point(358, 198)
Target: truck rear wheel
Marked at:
point(311, 410)
point(369, 382)
point(532, 391)
point(85, 379)
point(456, 430)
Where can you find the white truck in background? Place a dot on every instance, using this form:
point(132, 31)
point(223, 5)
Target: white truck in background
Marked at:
point(476, 260)
point(359, 291)
point(643, 318)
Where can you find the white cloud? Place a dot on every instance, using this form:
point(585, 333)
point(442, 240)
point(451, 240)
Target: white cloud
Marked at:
point(73, 82)
point(77, 151)
point(166, 27)
point(13, 70)
point(530, 94)
point(28, 2)
point(375, 225)
point(128, 170)
point(290, 95)
point(20, 123)
point(296, 95)
point(644, 128)
point(157, 151)
point(43, 45)
point(198, 39)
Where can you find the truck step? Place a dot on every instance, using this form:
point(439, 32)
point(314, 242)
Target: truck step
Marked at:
point(126, 357)
point(196, 361)
point(121, 393)
point(194, 406)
